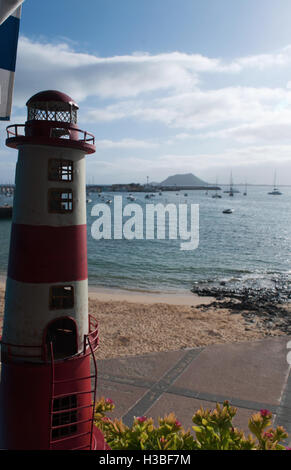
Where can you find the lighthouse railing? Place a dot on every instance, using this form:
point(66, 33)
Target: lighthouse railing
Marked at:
point(94, 390)
point(91, 341)
point(9, 351)
point(18, 130)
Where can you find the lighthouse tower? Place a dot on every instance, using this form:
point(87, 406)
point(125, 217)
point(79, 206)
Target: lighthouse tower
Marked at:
point(47, 383)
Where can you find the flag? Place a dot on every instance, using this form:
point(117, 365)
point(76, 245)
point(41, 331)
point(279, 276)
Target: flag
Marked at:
point(7, 7)
point(9, 30)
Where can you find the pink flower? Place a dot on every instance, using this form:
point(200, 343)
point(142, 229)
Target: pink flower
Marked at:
point(163, 440)
point(264, 413)
point(269, 435)
point(178, 424)
point(105, 419)
point(109, 401)
point(288, 448)
point(141, 419)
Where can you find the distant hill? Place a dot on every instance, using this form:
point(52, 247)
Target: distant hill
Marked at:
point(187, 179)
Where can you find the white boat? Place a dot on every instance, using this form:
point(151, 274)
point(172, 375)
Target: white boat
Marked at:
point(275, 191)
point(88, 200)
point(131, 198)
point(109, 201)
point(227, 211)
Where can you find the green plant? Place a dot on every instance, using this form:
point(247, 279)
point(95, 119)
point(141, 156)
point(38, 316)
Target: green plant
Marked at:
point(213, 431)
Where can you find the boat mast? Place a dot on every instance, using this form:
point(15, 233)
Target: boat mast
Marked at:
point(275, 179)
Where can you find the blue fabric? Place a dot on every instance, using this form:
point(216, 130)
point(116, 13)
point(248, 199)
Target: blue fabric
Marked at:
point(9, 31)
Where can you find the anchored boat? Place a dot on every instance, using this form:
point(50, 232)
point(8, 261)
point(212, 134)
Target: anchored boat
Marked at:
point(275, 191)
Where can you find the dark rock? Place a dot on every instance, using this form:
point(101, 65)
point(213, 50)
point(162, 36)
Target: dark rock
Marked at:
point(252, 300)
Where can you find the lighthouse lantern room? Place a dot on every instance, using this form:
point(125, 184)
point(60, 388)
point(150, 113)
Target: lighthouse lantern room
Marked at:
point(48, 381)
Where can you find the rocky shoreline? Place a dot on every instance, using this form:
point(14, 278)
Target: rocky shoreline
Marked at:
point(269, 307)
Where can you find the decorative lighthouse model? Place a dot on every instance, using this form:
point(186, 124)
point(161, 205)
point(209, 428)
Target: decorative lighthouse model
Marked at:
point(47, 384)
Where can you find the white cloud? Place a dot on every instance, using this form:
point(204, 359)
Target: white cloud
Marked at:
point(186, 106)
point(183, 136)
point(82, 75)
point(281, 58)
point(199, 109)
point(272, 126)
point(125, 144)
point(44, 65)
point(170, 89)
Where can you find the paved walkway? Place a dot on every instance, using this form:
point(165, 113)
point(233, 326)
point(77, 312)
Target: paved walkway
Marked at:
point(251, 375)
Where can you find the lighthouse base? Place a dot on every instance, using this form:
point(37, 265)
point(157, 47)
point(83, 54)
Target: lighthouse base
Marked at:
point(48, 406)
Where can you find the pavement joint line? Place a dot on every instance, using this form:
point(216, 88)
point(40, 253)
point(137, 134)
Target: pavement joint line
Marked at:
point(161, 386)
point(134, 381)
point(212, 397)
point(283, 416)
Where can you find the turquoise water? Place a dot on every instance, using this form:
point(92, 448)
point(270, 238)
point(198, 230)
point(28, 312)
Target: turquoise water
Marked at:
point(251, 243)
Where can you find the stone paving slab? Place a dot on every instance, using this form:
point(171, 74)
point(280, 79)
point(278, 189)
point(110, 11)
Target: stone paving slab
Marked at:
point(251, 375)
point(146, 367)
point(253, 371)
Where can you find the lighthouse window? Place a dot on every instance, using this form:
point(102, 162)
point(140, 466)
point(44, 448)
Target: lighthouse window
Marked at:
point(60, 170)
point(64, 415)
point(41, 112)
point(61, 297)
point(60, 201)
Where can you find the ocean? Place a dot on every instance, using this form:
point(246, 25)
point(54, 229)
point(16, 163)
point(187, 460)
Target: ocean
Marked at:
point(250, 246)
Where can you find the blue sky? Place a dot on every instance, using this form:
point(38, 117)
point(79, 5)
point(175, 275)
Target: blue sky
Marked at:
point(166, 86)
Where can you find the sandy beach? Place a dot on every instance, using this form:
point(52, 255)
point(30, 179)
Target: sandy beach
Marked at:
point(133, 323)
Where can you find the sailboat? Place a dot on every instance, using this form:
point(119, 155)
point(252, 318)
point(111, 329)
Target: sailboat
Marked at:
point(275, 191)
point(216, 195)
point(231, 186)
point(231, 190)
point(245, 192)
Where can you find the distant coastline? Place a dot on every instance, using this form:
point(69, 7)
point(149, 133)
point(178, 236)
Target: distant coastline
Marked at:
point(139, 188)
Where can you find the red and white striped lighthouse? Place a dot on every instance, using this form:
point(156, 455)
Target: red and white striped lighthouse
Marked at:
point(47, 385)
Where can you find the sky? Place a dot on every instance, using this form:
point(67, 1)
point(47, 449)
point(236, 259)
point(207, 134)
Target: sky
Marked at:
point(166, 86)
